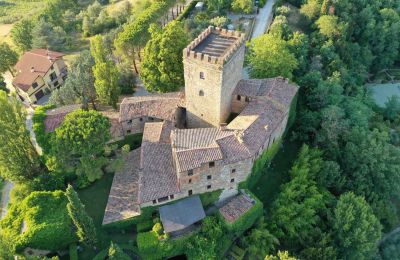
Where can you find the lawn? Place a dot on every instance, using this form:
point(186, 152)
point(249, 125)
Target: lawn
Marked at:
point(95, 199)
point(14, 10)
point(268, 186)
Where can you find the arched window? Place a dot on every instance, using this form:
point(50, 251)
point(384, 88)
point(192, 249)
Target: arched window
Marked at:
point(201, 75)
point(201, 93)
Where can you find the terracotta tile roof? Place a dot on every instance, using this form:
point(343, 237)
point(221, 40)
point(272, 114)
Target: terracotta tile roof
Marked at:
point(56, 116)
point(232, 149)
point(123, 199)
point(157, 175)
point(40, 59)
point(194, 147)
point(236, 207)
point(116, 129)
point(157, 132)
point(162, 106)
point(276, 89)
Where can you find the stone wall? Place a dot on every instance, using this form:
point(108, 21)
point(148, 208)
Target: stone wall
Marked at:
point(136, 125)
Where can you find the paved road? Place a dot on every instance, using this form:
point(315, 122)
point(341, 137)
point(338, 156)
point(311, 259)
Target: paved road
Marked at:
point(263, 18)
point(5, 197)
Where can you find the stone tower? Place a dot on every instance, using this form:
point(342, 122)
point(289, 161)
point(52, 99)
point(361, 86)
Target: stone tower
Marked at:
point(213, 65)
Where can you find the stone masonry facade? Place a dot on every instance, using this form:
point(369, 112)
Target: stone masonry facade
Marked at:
point(188, 147)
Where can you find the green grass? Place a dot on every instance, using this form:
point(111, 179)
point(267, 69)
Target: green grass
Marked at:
point(134, 141)
point(14, 10)
point(95, 199)
point(268, 185)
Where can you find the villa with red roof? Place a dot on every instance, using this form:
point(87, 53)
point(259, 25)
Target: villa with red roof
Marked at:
point(39, 72)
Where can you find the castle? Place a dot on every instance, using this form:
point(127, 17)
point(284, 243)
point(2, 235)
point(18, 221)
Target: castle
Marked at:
point(203, 139)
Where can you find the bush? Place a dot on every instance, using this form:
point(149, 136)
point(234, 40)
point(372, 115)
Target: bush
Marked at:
point(45, 216)
point(158, 229)
point(42, 137)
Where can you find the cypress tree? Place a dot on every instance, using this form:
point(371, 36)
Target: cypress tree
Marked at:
point(85, 228)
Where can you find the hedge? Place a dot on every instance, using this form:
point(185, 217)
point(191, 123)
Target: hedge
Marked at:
point(247, 220)
point(48, 224)
point(258, 168)
point(38, 126)
point(187, 11)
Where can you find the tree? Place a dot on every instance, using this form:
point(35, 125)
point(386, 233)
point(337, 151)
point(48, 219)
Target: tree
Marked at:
point(245, 6)
point(294, 214)
point(85, 228)
point(162, 66)
point(371, 164)
point(311, 9)
point(259, 241)
point(3, 86)
point(116, 253)
point(392, 108)
point(45, 35)
point(328, 25)
point(8, 58)
point(21, 35)
point(357, 229)
point(276, 60)
point(79, 143)
point(19, 161)
point(282, 255)
point(105, 72)
point(79, 86)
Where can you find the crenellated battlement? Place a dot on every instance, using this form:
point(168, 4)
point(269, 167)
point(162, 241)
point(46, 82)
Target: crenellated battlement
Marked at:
point(214, 45)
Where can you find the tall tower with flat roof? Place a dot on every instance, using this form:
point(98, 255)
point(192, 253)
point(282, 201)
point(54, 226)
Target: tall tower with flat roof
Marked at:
point(213, 65)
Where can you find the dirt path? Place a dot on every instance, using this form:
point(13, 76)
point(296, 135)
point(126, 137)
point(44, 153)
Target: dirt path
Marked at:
point(5, 197)
point(29, 126)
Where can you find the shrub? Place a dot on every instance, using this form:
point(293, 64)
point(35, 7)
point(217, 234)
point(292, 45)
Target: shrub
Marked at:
point(210, 197)
point(158, 229)
point(38, 126)
point(45, 217)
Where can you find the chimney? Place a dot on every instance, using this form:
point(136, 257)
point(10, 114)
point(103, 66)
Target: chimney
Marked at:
point(32, 69)
point(222, 126)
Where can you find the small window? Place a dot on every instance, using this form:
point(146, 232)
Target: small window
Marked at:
point(238, 97)
point(208, 187)
point(211, 164)
point(154, 201)
point(232, 180)
point(190, 172)
point(201, 93)
point(52, 67)
point(202, 115)
point(190, 180)
point(34, 85)
point(151, 119)
point(163, 199)
point(209, 177)
point(190, 192)
point(201, 75)
point(247, 99)
point(55, 83)
point(130, 121)
point(128, 131)
point(171, 196)
point(140, 119)
point(233, 170)
point(53, 76)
